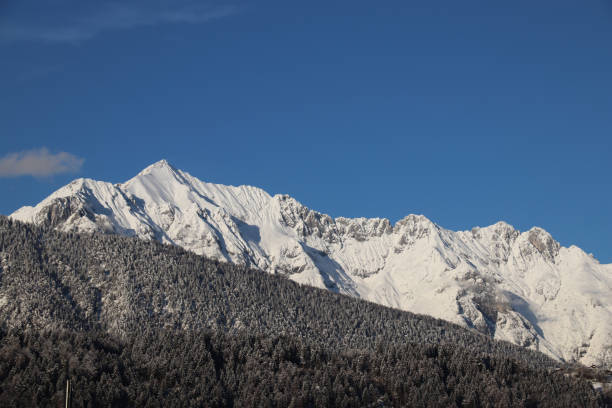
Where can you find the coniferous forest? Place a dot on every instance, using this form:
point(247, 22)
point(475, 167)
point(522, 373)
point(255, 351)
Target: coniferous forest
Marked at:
point(135, 323)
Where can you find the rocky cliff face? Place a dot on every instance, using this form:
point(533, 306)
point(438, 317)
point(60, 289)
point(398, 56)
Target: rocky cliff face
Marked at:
point(520, 287)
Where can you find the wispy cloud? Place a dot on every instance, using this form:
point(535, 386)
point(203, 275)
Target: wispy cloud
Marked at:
point(84, 23)
point(38, 163)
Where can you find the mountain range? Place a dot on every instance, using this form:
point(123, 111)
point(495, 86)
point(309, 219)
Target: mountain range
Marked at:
point(522, 287)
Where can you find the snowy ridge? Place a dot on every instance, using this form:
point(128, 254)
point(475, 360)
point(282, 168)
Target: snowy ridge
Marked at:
point(520, 287)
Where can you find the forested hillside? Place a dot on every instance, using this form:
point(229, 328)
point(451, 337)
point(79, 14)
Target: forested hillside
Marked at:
point(171, 368)
point(142, 323)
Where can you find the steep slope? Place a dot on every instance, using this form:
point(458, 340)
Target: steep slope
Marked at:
point(521, 287)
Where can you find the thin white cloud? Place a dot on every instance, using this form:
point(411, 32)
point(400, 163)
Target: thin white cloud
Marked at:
point(38, 163)
point(86, 24)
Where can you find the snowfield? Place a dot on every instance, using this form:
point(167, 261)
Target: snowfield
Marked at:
point(522, 287)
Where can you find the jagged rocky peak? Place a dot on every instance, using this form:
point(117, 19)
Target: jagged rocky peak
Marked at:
point(362, 228)
point(62, 204)
point(500, 231)
point(60, 210)
point(293, 212)
point(415, 225)
point(303, 220)
point(411, 229)
point(498, 239)
point(543, 242)
point(308, 222)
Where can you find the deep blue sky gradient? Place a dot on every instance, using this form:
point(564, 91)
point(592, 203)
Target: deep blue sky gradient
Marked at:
point(468, 112)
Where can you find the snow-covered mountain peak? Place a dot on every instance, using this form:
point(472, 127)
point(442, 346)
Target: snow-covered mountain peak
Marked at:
point(79, 185)
point(159, 175)
point(501, 226)
point(412, 221)
point(499, 230)
point(521, 287)
point(498, 239)
point(414, 227)
point(79, 194)
point(162, 164)
point(538, 240)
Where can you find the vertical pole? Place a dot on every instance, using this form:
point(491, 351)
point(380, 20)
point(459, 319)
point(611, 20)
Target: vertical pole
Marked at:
point(68, 401)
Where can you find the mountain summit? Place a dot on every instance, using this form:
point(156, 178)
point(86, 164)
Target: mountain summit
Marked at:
point(523, 287)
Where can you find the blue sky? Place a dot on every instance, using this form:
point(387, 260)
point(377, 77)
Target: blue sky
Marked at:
point(468, 112)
